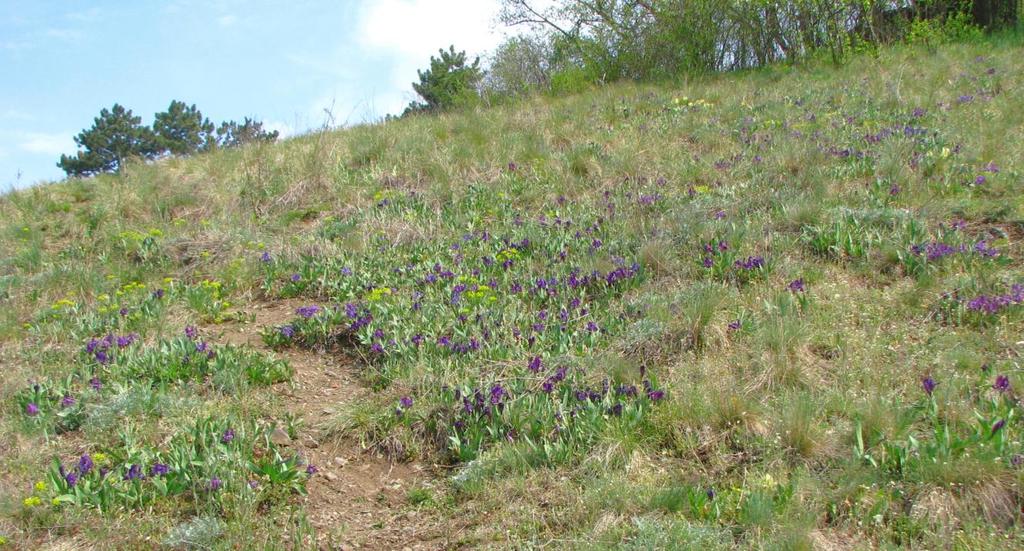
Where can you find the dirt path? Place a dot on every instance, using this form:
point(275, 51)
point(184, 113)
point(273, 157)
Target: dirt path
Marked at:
point(357, 500)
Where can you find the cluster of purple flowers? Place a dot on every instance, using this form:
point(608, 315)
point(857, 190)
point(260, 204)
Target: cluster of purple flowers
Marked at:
point(750, 263)
point(936, 250)
point(993, 304)
point(308, 311)
point(101, 349)
point(85, 466)
point(482, 402)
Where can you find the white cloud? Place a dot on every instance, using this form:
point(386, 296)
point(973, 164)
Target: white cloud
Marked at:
point(227, 20)
point(47, 144)
point(16, 115)
point(87, 16)
point(69, 35)
point(284, 129)
point(411, 31)
point(417, 28)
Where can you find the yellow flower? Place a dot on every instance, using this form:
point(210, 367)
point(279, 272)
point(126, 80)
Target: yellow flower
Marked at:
point(99, 458)
point(55, 502)
point(40, 486)
point(62, 303)
point(378, 293)
point(103, 298)
point(168, 280)
point(32, 501)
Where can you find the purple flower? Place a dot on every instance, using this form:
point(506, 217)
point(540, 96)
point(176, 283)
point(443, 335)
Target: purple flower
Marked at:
point(67, 401)
point(228, 436)
point(215, 484)
point(287, 331)
point(95, 383)
point(708, 262)
point(158, 294)
point(311, 469)
point(999, 425)
point(308, 311)
point(498, 393)
point(797, 285)
point(719, 214)
point(191, 332)
point(71, 478)
point(984, 249)
point(159, 469)
point(592, 327)
point(31, 410)
point(918, 112)
point(102, 357)
point(295, 279)
point(750, 263)
point(655, 395)
point(980, 180)
point(85, 464)
point(405, 402)
point(123, 312)
point(134, 472)
point(928, 384)
point(535, 364)
point(734, 325)
point(1002, 383)
point(265, 257)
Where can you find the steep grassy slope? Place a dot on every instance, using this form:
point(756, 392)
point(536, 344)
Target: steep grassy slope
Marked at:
point(775, 309)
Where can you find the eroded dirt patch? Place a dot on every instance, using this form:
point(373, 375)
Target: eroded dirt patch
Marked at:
point(357, 500)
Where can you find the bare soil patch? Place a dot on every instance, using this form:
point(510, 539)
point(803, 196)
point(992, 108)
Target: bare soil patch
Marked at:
point(357, 500)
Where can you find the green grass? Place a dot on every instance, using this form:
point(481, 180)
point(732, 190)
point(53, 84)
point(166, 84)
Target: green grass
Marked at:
point(583, 311)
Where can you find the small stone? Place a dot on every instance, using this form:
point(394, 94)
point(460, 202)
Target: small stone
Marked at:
point(340, 461)
point(331, 476)
point(279, 437)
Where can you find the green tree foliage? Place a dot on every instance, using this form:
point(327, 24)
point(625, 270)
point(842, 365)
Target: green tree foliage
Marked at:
point(520, 64)
point(182, 130)
point(116, 136)
point(448, 82)
point(233, 134)
point(605, 40)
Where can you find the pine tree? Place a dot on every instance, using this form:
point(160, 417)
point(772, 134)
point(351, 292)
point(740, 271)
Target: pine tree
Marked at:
point(448, 82)
point(116, 136)
point(182, 130)
point(233, 134)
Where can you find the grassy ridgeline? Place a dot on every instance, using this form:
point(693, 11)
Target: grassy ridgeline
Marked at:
point(640, 316)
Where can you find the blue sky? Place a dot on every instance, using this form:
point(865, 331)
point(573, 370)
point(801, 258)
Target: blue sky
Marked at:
point(283, 63)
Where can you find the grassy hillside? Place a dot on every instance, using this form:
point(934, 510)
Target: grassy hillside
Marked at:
point(779, 309)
